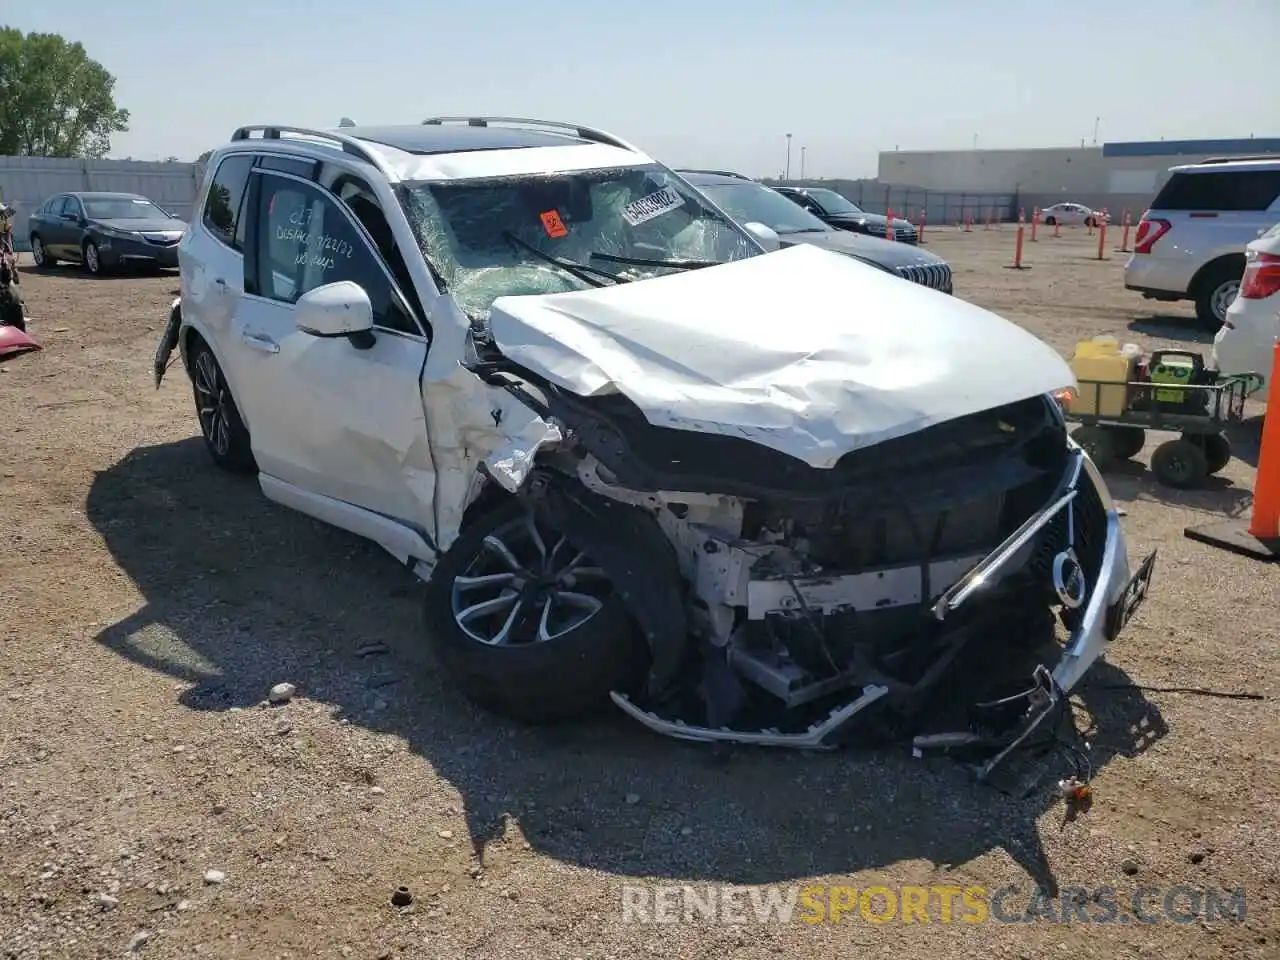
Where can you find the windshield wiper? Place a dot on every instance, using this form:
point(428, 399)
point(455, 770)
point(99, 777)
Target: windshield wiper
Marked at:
point(571, 267)
point(788, 233)
point(641, 262)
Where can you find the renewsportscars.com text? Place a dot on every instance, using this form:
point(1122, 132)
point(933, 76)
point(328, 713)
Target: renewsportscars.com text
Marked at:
point(938, 903)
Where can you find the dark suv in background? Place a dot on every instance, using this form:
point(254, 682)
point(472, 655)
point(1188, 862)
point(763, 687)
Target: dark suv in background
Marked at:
point(842, 213)
point(749, 201)
point(104, 231)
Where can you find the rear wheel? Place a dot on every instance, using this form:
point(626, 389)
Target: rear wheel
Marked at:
point(1127, 442)
point(1180, 464)
point(41, 255)
point(1096, 442)
point(225, 435)
point(1215, 292)
point(1217, 451)
point(526, 625)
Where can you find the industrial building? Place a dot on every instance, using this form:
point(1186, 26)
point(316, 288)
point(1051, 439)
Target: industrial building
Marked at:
point(1117, 176)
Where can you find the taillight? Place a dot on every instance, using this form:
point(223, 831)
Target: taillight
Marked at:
point(1149, 231)
point(1261, 276)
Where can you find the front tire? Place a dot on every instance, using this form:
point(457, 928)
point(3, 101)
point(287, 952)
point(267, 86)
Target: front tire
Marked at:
point(225, 435)
point(523, 623)
point(1049, 221)
point(41, 255)
point(92, 258)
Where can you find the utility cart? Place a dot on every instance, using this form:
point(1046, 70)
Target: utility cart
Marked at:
point(1115, 416)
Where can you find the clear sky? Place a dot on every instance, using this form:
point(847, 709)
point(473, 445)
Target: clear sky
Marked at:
point(707, 84)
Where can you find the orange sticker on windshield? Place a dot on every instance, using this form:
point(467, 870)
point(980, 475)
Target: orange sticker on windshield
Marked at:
point(554, 226)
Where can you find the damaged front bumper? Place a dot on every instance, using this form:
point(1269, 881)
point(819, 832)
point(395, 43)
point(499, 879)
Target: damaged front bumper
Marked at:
point(1098, 611)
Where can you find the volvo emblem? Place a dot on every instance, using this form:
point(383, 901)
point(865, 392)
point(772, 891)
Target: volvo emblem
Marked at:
point(1068, 579)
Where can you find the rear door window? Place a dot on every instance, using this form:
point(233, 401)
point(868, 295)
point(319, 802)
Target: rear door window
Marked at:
point(1227, 190)
point(224, 206)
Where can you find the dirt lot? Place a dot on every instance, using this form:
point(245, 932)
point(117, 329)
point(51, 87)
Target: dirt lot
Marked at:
point(149, 602)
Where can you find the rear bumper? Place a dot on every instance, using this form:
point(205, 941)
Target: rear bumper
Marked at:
point(1248, 345)
point(1157, 278)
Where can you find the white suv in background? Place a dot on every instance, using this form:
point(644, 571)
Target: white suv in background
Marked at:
point(1190, 244)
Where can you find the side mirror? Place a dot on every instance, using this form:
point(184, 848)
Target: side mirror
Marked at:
point(339, 309)
point(767, 236)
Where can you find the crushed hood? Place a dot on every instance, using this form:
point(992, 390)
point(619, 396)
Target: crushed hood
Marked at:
point(803, 350)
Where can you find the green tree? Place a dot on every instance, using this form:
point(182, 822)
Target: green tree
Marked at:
point(54, 100)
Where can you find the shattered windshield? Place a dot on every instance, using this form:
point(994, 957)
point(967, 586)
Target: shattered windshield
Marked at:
point(748, 201)
point(509, 236)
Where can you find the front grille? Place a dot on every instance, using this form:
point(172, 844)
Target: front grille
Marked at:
point(935, 276)
point(161, 241)
point(1090, 519)
point(907, 235)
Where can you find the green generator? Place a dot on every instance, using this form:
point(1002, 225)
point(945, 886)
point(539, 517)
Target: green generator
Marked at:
point(1177, 368)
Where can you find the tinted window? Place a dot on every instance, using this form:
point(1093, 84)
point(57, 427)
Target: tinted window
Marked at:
point(226, 198)
point(68, 205)
point(123, 208)
point(746, 202)
point(1227, 190)
point(305, 240)
point(833, 202)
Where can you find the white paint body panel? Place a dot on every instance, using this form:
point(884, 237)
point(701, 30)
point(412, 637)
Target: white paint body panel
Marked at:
point(1248, 344)
point(331, 419)
point(803, 350)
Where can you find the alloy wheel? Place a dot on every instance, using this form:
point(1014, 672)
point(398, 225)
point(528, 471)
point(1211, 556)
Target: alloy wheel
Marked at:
point(1223, 297)
point(211, 403)
point(527, 584)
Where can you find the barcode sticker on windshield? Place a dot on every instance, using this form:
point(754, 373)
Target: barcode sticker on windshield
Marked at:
point(654, 205)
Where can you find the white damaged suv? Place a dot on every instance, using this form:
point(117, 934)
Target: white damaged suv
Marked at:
point(766, 496)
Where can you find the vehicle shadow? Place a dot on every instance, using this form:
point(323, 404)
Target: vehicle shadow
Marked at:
point(1184, 329)
point(241, 594)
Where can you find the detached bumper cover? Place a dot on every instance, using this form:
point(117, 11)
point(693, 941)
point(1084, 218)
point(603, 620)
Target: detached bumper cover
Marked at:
point(1107, 605)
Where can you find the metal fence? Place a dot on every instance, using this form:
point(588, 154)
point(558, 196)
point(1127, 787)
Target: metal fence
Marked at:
point(913, 202)
point(26, 182)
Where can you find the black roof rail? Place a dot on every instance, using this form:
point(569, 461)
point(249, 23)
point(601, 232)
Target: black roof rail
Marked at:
point(579, 130)
point(715, 173)
point(348, 145)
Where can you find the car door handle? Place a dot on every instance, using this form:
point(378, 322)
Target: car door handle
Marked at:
point(259, 342)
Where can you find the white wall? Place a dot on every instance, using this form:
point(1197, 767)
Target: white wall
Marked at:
point(1050, 170)
point(26, 182)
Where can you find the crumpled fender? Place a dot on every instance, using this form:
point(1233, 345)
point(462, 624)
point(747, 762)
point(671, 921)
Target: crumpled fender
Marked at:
point(631, 548)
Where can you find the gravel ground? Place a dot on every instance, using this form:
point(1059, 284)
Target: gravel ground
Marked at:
point(148, 603)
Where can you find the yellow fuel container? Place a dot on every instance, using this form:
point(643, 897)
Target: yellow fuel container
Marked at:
point(1102, 359)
